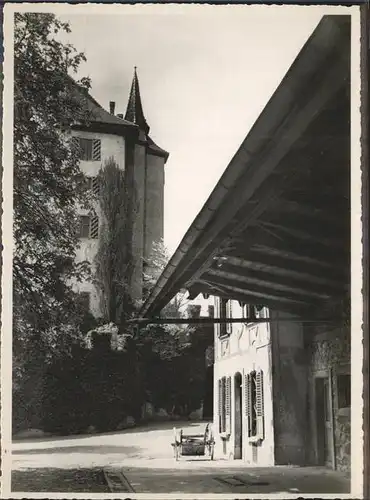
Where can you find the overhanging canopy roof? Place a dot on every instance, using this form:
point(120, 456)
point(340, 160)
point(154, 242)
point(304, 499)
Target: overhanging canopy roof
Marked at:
point(276, 228)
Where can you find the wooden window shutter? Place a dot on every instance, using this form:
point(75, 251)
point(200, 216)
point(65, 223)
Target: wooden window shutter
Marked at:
point(229, 315)
point(76, 143)
point(217, 314)
point(228, 405)
point(95, 185)
point(248, 402)
point(259, 405)
point(96, 151)
point(220, 405)
point(94, 226)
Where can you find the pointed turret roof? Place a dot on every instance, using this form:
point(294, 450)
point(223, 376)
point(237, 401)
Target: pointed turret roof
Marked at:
point(134, 111)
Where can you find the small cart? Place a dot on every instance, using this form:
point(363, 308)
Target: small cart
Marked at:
point(193, 445)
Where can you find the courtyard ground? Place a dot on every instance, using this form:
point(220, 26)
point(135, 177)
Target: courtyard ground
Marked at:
point(143, 459)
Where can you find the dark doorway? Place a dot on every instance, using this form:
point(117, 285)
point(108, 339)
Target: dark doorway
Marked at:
point(238, 451)
point(324, 422)
point(208, 396)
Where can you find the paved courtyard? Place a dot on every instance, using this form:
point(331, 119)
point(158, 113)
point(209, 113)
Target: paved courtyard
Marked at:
point(144, 459)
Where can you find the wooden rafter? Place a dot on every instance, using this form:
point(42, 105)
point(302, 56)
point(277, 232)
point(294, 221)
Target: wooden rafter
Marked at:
point(270, 238)
point(263, 286)
point(266, 279)
point(309, 212)
point(263, 296)
point(241, 295)
point(303, 234)
point(281, 271)
point(332, 267)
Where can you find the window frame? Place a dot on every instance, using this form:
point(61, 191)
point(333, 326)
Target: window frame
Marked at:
point(339, 397)
point(224, 406)
point(254, 405)
point(223, 310)
point(92, 233)
point(90, 153)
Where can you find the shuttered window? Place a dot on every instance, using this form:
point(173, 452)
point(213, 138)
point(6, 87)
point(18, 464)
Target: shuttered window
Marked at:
point(228, 405)
point(229, 314)
point(217, 314)
point(96, 153)
point(84, 227)
point(247, 402)
point(224, 405)
point(259, 405)
point(250, 312)
point(76, 142)
point(90, 149)
point(254, 404)
point(223, 310)
point(93, 183)
point(94, 227)
point(89, 226)
point(220, 405)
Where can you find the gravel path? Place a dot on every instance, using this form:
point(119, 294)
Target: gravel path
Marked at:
point(144, 456)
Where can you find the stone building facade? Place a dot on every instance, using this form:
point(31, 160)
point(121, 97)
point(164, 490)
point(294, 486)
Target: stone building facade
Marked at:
point(243, 410)
point(276, 231)
point(125, 139)
point(300, 412)
point(329, 378)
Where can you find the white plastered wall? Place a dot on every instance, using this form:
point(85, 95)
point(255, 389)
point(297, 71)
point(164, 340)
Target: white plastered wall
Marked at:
point(246, 349)
point(111, 146)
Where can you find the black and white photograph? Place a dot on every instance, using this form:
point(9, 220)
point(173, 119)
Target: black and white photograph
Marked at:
point(182, 252)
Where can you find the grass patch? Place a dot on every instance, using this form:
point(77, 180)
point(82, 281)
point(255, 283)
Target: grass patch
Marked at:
point(59, 480)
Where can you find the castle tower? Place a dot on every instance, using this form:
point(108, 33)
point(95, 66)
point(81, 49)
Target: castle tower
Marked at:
point(127, 140)
point(148, 180)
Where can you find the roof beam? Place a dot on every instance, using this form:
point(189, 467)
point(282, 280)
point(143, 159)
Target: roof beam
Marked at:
point(316, 226)
point(193, 290)
point(310, 251)
point(309, 86)
point(281, 252)
point(325, 197)
point(328, 215)
point(260, 294)
point(241, 295)
point(263, 286)
point(302, 234)
point(282, 270)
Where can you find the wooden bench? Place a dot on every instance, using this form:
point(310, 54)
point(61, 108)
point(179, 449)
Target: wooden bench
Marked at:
point(193, 445)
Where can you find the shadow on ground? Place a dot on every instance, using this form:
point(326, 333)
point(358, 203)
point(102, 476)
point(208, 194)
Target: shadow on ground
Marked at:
point(127, 451)
point(139, 428)
point(49, 480)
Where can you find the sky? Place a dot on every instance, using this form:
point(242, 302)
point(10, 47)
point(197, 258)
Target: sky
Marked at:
point(205, 75)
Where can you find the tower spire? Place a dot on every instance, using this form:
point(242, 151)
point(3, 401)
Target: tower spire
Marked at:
point(134, 111)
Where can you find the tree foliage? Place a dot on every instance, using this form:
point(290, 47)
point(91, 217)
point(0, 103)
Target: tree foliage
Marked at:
point(153, 266)
point(113, 261)
point(48, 188)
point(48, 184)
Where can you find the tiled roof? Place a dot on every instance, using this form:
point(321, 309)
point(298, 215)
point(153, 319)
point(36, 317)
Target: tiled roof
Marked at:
point(93, 112)
point(99, 114)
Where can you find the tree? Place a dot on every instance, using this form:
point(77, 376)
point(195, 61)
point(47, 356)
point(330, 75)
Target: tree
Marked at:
point(153, 266)
point(48, 188)
point(48, 184)
point(113, 261)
